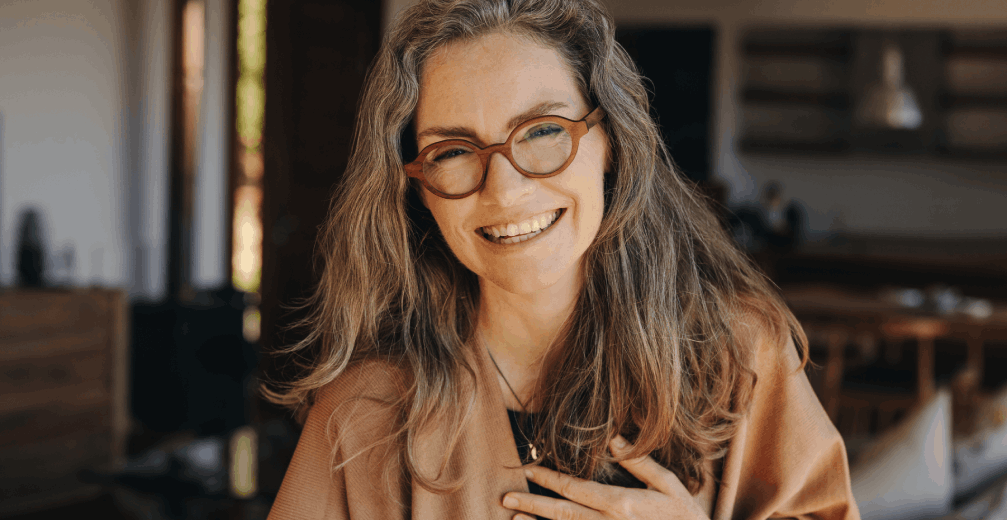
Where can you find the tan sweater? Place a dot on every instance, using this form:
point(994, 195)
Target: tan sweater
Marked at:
point(786, 461)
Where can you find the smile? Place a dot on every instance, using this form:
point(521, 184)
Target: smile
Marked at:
point(521, 231)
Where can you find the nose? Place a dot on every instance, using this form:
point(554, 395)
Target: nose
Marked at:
point(504, 184)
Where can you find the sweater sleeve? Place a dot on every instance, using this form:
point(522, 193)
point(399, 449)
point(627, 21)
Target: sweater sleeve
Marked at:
point(352, 411)
point(787, 460)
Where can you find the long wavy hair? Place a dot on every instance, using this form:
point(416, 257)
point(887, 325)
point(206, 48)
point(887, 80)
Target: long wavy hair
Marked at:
point(657, 346)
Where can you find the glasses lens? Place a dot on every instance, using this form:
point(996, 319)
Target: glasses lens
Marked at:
point(453, 169)
point(542, 147)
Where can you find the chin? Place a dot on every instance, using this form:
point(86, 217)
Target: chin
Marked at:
point(522, 285)
point(524, 282)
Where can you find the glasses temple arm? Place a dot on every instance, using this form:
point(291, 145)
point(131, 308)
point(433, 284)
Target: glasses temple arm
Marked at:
point(594, 117)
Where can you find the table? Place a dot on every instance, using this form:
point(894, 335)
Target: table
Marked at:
point(836, 315)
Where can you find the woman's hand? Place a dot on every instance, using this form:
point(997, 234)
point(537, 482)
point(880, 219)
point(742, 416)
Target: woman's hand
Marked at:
point(664, 498)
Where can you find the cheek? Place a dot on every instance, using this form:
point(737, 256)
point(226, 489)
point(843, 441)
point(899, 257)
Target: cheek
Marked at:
point(442, 221)
point(446, 216)
point(596, 212)
point(596, 173)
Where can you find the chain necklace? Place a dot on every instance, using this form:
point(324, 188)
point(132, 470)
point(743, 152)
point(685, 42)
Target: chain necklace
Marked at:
point(531, 447)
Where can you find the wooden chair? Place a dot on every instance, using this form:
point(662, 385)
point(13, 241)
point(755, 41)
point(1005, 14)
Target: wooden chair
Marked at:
point(833, 317)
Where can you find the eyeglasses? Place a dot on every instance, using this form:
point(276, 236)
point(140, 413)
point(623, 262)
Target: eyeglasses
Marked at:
point(538, 148)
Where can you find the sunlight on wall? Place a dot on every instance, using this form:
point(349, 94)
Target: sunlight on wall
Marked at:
point(251, 324)
point(247, 238)
point(250, 110)
point(243, 462)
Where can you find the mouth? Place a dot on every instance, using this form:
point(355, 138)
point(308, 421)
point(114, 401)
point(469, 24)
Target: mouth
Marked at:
point(525, 230)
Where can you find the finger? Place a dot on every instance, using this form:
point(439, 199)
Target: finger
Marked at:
point(547, 507)
point(645, 468)
point(585, 492)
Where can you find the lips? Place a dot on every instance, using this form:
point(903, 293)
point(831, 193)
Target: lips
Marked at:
point(512, 233)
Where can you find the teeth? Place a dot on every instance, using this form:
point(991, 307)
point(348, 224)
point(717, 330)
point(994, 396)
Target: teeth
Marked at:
point(535, 223)
point(515, 233)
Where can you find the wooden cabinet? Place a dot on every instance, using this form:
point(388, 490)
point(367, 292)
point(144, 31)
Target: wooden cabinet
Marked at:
point(974, 95)
point(802, 90)
point(63, 393)
point(796, 90)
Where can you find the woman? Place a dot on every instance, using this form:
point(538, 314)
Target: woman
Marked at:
point(510, 240)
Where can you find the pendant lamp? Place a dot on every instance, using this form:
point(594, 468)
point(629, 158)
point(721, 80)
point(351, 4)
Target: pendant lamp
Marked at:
point(890, 103)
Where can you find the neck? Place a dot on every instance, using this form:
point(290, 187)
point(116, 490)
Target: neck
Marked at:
point(518, 330)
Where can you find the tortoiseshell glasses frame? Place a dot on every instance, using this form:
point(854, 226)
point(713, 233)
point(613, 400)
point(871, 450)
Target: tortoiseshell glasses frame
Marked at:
point(575, 129)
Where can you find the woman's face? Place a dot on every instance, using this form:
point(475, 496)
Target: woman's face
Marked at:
point(478, 91)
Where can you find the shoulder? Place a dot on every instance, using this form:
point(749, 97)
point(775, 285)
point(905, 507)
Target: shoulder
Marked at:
point(346, 446)
point(784, 410)
point(776, 385)
point(361, 402)
point(765, 334)
point(371, 379)
point(787, 460)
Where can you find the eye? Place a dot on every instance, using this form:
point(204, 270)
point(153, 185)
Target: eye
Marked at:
point(450, 153)
point(542, 130)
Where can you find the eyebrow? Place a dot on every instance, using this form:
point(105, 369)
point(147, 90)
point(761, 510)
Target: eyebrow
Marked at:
point(462, 132)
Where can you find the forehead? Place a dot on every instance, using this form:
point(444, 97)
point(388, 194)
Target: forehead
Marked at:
point(492, 77)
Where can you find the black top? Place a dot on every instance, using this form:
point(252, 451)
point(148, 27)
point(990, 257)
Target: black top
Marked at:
point(525, 430)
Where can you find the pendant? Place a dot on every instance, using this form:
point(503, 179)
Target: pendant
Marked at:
point(534, 452)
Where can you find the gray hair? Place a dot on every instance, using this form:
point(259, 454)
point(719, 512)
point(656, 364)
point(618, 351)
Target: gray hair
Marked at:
point(650, 349)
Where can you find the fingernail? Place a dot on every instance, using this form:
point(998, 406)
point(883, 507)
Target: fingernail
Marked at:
point(529, 474)
point(619, 442)
point(519, 516)
point(510, 502)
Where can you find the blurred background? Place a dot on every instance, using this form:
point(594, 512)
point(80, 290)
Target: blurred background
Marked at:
point(165, 164)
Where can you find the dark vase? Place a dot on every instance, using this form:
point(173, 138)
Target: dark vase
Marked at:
point(30, 251)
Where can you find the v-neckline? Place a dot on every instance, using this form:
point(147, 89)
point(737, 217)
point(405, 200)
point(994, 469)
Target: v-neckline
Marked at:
point(497, 409)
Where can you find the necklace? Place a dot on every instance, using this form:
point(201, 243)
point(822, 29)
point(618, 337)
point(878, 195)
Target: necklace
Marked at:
point(531, 447)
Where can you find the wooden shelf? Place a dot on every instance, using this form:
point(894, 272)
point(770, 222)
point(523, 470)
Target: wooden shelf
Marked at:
point(958, 152)
point(803, 72)
point(795, 101)
point(754, 145)
point(833, 51)
point(951, 101)
point(975, 51)
point(833, 100)
point(832, 44)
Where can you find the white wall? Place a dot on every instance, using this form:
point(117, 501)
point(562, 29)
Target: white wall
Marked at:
point(85, 93)
point(62, 99)
point(151, 78)
point(871, 195)
point(211, 221)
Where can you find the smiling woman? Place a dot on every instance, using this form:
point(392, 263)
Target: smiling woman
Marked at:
point(484, 90)
point(539, 262)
